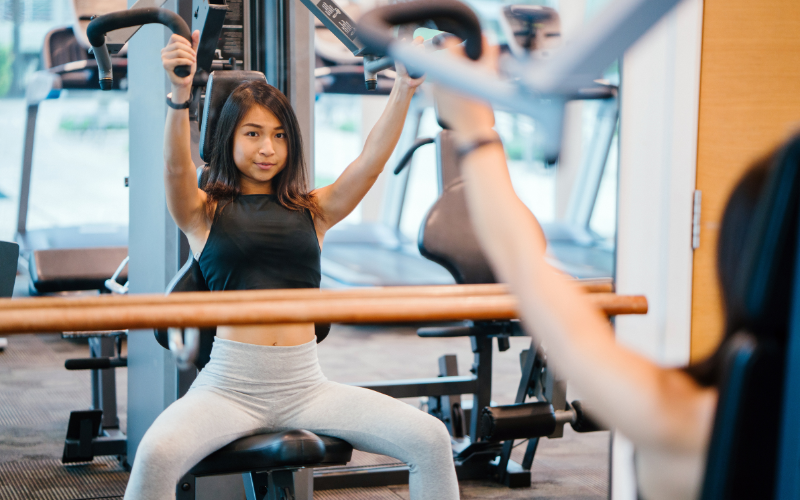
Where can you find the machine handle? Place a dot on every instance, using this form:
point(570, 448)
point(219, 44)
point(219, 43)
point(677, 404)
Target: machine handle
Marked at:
point(184, 350)
point(375, 27)
point(97, 29)
point(407, 157)
point(583, 421)
point(95, 363)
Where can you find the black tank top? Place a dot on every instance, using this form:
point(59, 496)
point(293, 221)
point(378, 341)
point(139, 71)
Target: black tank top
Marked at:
point(255, 243)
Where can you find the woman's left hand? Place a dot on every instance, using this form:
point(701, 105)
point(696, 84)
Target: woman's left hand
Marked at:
point(402, 74)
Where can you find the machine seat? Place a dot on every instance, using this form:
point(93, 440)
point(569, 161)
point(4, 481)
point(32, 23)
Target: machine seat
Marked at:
point(67, 269)
point(74, 258)
point(296, 448)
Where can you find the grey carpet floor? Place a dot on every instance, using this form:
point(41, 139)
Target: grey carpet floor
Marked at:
point(37, 394)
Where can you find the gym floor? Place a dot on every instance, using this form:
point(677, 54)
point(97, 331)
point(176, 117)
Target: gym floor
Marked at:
point(37, 394)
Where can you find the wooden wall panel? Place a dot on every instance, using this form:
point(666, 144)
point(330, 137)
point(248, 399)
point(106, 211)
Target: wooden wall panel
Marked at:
point(749, 102)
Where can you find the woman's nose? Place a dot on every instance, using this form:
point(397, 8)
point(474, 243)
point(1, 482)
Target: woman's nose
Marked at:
point(266, 148)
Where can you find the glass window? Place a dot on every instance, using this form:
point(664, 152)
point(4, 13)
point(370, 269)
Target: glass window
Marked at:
point(337, 139)
point(422, 189)
point(533, 181)
point(80, 161)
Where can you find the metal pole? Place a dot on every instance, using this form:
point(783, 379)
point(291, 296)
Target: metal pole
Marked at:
point(153, 235)
point(27, 166)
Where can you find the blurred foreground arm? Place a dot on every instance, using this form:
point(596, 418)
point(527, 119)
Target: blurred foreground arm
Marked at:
point(655, 407)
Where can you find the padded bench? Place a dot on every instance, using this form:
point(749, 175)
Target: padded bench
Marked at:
point(274, 466)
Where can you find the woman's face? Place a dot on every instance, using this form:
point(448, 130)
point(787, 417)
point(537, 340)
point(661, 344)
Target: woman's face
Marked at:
point(260, 147)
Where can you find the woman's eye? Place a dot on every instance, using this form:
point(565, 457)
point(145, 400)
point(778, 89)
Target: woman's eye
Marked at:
point(252, 134)
point(280, 135)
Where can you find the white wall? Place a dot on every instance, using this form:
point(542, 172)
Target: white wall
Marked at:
point(658, 149)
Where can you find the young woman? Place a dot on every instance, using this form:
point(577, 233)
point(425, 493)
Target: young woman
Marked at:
point(667, 413)
point(255, 226)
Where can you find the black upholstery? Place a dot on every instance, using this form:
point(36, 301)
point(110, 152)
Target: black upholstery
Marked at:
point(60, 53)
point(190, 279)
point(446, 236)
point(219, 87)
point(743, 452)
point(9, 255)
point(277, 449)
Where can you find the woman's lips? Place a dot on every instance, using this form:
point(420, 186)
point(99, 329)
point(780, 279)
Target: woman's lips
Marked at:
point(265, 166)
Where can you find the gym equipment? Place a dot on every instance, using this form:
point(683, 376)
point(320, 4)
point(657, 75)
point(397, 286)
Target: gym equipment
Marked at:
point(336, 20)
point(576, 249)
point(9, 257)
point(759, 388)
point(68, 258)
point(759, 364)
point(192, 297)
point(538, 88)
point(307, 306)
point(578, 252)
point(530, 30)
point(274, 466)
point(99, 26)
point(96, 431)
point(447, 237)
point(544, 418)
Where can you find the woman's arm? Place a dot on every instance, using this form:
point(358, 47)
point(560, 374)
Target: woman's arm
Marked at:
point(340, 198)
point(653, 406)
point(185, 201)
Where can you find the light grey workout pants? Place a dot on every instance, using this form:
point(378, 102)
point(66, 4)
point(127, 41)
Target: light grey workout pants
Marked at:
point(246, 389)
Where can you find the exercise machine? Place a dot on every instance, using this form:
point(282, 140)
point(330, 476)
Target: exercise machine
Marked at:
point(65, 259)
point(9, 256)
point(760, 365)
point(96, 432)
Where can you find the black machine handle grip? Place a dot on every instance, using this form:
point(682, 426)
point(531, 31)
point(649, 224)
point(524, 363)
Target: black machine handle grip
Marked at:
point(375, 27)
point(407, 157)
point(95, 363)
point(99, 26)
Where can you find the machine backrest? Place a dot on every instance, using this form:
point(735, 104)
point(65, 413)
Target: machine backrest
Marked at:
point(9, 256)
point(61, 47)
point(219, 87)
point(752, 414)
point(742, 455)
point(446, 235)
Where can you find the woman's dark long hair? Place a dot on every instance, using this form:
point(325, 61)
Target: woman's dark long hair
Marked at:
point(291, 184)
point(737, 221)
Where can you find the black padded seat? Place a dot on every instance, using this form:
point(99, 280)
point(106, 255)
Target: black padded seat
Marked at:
point(296, 448)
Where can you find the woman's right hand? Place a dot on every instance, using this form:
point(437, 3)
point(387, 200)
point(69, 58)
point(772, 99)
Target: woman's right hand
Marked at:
point(180, 52)
point(465, 115)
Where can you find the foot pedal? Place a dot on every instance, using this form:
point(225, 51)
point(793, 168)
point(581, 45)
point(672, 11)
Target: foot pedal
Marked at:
point(83, 427)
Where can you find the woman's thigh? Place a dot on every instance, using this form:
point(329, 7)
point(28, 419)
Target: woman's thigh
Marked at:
point(191, 428)
point(370, 421)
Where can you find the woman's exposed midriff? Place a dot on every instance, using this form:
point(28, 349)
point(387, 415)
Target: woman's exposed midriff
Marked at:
point(270, 335)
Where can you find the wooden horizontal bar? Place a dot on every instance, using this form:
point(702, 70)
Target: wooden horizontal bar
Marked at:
point(339, 307)
point(590, 286)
